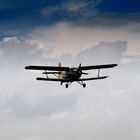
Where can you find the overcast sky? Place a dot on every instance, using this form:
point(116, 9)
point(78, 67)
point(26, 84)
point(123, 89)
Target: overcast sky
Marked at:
point(90, 32)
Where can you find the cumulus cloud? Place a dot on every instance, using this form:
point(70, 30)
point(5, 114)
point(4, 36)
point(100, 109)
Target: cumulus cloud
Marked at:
point(65, 38)
point(105, 52)
point(106, 109)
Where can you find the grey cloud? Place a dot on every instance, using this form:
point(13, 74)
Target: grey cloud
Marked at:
point(110, 108)
point(132, 58)
point(14, 50)
point(41, 107)
point(17, 53)
point(106, 109)
point(67, 58)
point(104, 52)
point(110, 20)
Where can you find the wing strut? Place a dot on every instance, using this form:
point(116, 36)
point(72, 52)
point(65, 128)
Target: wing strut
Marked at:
point(98, 72)
point(46, 74)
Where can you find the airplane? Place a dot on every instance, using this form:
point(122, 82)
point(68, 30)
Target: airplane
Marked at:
point(69, 75)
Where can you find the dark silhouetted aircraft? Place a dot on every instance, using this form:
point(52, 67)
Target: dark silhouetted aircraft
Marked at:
point(68, 75)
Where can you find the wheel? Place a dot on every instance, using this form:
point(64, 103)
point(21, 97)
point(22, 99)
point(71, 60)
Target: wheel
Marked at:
point(66, 85)
point(84, 85)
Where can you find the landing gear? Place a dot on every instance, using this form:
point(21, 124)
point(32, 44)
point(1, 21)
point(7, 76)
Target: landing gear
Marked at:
point(66, 85)
point(80, 82)
point(61, 83)
point(84, 85)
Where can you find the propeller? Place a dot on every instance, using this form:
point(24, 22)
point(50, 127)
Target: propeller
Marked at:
point(81, 70)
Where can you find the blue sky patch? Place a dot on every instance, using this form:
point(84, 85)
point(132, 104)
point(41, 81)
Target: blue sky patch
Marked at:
point(20, 16)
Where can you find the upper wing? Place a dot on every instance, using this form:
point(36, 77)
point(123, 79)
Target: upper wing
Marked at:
point(51, 68)
point(54, 68)
point(98, 67)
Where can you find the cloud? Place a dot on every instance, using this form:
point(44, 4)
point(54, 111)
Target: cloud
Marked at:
point(105, 52)
point(131, 58)
point(66, 38)
point(106, 109)
point(14, 51)
point(110, 20)
point(71, 9)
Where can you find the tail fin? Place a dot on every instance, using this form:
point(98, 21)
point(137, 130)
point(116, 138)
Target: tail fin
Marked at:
point(59, 74)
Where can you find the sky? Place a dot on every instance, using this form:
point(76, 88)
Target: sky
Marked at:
point(89, 32)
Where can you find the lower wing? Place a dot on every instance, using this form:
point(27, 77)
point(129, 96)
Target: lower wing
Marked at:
point(52, 79)
point(93, 78)
point(63, 80)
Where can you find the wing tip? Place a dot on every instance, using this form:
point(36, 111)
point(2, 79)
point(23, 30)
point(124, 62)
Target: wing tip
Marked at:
point(115, 65)
point(40, 78)
point(112, 65)
point(104, 77)
point(27, 67)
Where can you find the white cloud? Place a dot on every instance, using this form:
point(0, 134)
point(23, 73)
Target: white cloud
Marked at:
point(106, 109)
point(68, 38)
point(11, 39)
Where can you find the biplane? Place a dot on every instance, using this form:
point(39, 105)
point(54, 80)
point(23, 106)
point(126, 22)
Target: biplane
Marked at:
point(69, 75)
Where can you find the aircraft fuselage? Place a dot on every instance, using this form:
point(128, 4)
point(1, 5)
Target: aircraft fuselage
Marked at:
point(71, 75)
